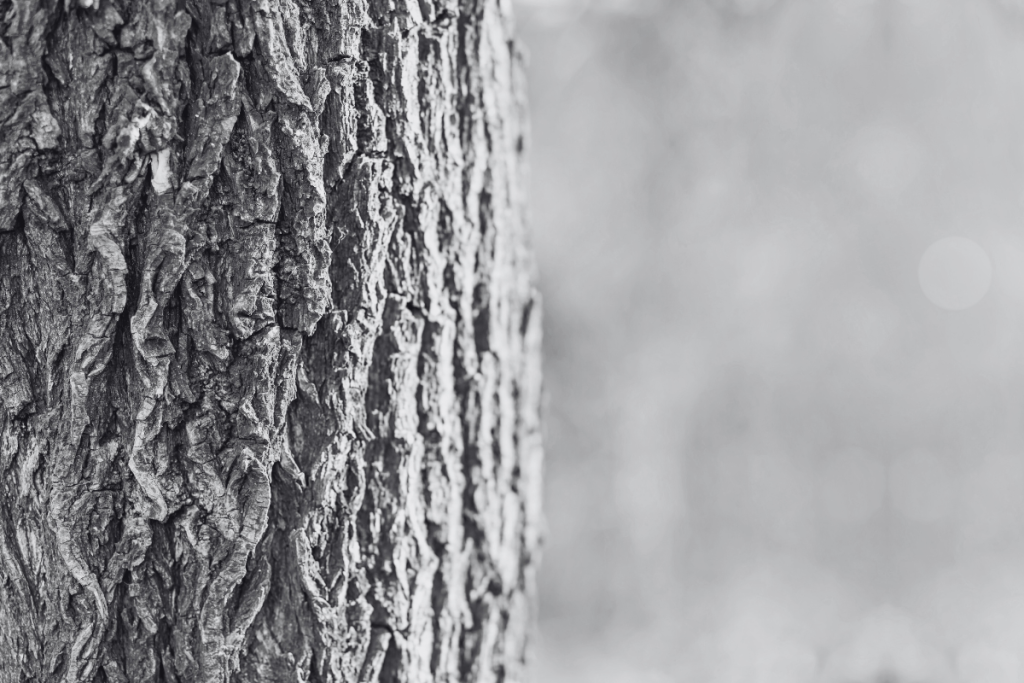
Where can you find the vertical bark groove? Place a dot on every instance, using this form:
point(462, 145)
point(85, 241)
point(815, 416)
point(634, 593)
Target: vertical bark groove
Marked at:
point(269, 342)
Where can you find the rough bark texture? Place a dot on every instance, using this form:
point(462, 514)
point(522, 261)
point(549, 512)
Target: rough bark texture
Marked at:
point(269, 345)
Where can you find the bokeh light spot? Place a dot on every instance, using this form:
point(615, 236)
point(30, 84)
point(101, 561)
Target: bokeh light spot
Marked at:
point(955, 273)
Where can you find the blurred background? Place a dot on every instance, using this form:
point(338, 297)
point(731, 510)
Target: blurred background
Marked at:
point(781, 244)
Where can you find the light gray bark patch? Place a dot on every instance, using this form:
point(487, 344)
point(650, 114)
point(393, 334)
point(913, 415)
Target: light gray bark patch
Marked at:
point(278, 59)
point(305, 250)
point(212, 116)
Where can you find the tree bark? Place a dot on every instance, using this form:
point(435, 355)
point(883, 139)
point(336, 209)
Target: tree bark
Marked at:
point(269, 342)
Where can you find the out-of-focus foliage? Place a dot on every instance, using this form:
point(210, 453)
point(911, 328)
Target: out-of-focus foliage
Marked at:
point(771, 458)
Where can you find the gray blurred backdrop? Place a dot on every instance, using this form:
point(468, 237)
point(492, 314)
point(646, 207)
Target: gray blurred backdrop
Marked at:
point(785, 421)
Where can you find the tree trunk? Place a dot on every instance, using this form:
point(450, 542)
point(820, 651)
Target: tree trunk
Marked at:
point(269, 343)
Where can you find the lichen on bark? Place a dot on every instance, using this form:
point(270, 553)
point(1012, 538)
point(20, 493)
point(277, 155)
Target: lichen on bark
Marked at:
point(269, 342)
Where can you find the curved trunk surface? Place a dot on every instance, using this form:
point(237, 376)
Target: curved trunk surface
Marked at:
point(269, 342)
